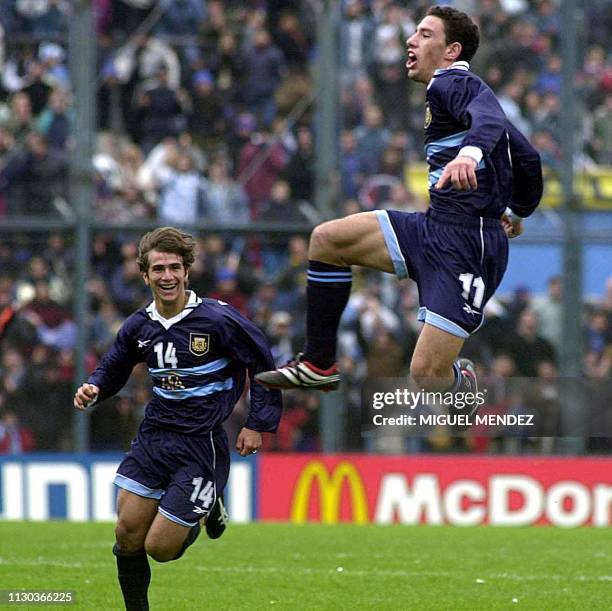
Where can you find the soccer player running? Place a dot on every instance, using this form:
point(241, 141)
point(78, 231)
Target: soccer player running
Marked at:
point(483, 177)
point(198, 352)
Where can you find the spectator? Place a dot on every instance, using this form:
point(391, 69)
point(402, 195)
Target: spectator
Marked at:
point(14, 437)
point(291, 39)
point(55, 122)
point(549, 310)
point(182, 191)
point(300, 171)
point(37, 88)
point(600, 145)
point(226, 200)
point(261, 162)
point(180, 17)
point(264, 66)
point(372, 139)
point(39, 177)
point(227, 290)
point(52, 56)
point(206, 121)
point(527, 347)
point(354, 39)
point(162, 111)
point(42, 17)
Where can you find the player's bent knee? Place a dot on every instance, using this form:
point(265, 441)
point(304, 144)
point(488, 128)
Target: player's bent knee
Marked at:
point(161, 552)
point(322, 240)
point(129, 537)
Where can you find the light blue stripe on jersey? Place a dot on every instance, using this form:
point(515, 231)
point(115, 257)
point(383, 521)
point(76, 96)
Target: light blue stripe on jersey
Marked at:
point(444, 143)
point(197, 391)
point(189, 371)
point(434, 175)
point(399, 263)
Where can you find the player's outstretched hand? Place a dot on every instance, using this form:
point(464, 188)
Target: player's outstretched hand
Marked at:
point(248, 442)
point(461, 172)
point(85, 396)
point(512, 225)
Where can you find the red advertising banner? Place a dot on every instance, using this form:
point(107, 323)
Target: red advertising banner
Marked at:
point(457, 490)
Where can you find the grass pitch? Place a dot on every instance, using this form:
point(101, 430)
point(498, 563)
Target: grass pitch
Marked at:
point(280, 566)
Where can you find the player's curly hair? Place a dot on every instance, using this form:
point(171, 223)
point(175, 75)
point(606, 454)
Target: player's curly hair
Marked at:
point(458, 27)
point(166, 239)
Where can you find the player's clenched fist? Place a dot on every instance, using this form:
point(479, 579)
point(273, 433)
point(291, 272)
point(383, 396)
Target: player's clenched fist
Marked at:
point(85, 396)
point(248, 442)
point(461, 172)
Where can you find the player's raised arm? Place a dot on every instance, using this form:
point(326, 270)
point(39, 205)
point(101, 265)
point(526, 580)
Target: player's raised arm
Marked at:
point(112, 373)
point(475, 105)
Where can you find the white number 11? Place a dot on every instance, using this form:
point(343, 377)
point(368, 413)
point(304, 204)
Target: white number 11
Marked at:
point(468, 281)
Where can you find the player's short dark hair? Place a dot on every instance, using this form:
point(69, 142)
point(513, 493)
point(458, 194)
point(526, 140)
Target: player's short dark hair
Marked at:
point(166, 239)
point(458, 27)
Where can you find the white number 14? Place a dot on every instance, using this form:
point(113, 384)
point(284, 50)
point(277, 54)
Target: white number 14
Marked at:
point(167, 360)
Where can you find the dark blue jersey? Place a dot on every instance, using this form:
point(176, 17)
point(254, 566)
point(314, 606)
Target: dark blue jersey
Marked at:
point(462, 111)
point(198, 362)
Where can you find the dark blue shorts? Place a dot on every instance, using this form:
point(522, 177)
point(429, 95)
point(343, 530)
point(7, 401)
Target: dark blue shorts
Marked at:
point(185, 473)
point(457, 263)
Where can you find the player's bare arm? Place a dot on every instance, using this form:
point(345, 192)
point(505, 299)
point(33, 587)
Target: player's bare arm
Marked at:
point(248, 442)
point(85, 396)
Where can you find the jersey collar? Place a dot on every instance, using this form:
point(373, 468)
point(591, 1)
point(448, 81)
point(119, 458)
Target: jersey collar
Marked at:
point(192, 302)
point(460, 65)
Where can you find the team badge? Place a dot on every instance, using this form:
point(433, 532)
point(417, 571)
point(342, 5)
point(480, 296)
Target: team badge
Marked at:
point(427, 116)
point(199, 344)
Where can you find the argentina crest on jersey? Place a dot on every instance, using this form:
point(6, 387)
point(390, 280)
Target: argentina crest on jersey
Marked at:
point(199, 343)
point(427, 116)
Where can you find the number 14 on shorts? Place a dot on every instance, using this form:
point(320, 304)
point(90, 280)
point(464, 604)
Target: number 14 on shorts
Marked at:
point(205, 494)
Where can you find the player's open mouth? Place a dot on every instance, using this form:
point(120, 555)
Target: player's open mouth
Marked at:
point(167, 289)
point(412, 60)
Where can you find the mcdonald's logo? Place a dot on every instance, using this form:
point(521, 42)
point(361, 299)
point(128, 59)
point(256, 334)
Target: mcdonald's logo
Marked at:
point(330, 493)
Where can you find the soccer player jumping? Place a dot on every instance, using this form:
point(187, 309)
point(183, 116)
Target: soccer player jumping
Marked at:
point(198, 352)
point(484, 176)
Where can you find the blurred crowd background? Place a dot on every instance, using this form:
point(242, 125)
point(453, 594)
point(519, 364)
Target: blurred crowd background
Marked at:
point(204, 113)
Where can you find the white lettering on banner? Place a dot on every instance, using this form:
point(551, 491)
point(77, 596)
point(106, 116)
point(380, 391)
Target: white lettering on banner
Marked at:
point(602, 504)
point(395, 496)
point(74, 476)
point(239, 486)
point(103, 491)
point(453, 497)
point(24, 494)
point(580, 499)
point(500, 489)
point(12, 491)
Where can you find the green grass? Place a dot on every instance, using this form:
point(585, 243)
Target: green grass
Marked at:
point(279, 566)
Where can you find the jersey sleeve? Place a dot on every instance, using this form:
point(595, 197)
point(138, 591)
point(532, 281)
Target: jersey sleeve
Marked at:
point(527, 182)
point(248, 345)
point(116, 365)
point(474, 105)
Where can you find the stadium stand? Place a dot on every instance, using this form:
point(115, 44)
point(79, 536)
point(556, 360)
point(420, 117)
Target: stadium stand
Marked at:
point(193, 124)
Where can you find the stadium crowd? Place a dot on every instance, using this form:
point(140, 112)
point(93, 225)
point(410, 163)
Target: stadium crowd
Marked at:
point(204, 113)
